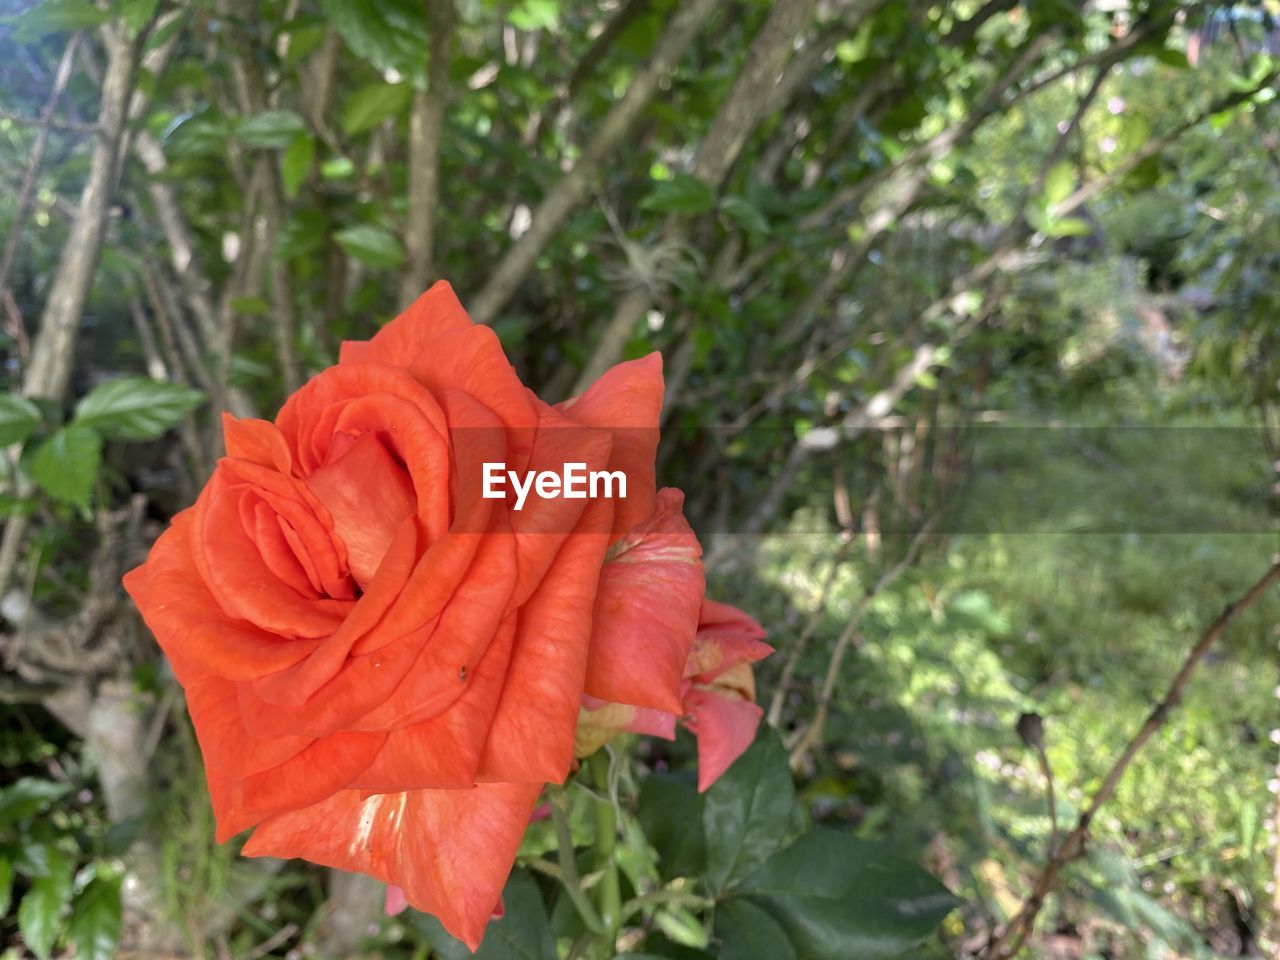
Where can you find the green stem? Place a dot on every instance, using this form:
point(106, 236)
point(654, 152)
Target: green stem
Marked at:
point(610, 893)
point(665, 895)
point(568, 865)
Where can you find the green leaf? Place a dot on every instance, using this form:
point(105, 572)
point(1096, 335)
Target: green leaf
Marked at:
point(745, 813)
point(523, 933)
point(23, 799)
point(136, 14)
point(271, 129)
point(744, 214)
point(57, 16)
point(18, 419)
point(135, 408)
point(40, 913)
point(387, 33)
point(66, 464)
point(681, 194)
point(747, 931)
point(371, 105)
point(670, 813)
point(6, 886)
point(1066, 227)
point(302, 234)
point(295, 164)
point(535, 15)
point(1058, 183)
point(375, 246)
point(95, 919)
point(837, 896)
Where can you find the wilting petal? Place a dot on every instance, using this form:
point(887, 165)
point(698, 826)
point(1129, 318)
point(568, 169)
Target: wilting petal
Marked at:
point(449, 850)
point(646, 611)
point(627, 400)
point(727, 637)
point(725, 725)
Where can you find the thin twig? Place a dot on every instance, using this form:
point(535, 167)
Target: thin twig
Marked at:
point(1010, 940)
point(811, 735)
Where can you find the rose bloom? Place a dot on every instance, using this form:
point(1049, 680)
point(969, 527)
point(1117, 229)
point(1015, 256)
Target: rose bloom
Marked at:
point(383, 667)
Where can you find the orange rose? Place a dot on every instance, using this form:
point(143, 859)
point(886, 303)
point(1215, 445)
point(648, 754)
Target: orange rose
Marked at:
point(717, 696)
point(383, 662)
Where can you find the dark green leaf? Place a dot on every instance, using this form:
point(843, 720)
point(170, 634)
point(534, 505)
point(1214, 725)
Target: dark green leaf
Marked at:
point(375, 246)
point(371, 105)
point(6, 885)
point(682, 194)
point(135, 408)
point(744, 214)
point(747, 932)
point(302, 234)
point(66, 464)
point(670, 815)
point(523, 933)
point(18, 418)
point(387, 33)
point(23, 799)
point(95, 919)
point(272, 129)
point(40, 912)
point(837, 897)
point(295, 164)
point(745, 813)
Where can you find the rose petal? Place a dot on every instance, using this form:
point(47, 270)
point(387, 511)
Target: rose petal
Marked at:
point(646, 611)
point(436, 311)
point(450, 850)
point(724, 726)
point(627, 400)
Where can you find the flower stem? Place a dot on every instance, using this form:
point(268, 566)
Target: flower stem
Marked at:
point(568, 865)
point(606, 816)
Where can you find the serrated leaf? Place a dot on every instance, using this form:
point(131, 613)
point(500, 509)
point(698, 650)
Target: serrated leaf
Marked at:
point(746, 811)
point(271, 129)
point(24, 798)
point(681, 194)
point(371, 105)
point(375, 246)
point(40, 912)
point(94, 927)
point(19, 418)
point(837, 896)
point(295, 163)
point(66, 465)
point(135, 408)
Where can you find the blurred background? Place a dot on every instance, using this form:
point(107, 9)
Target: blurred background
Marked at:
point(970, 314)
